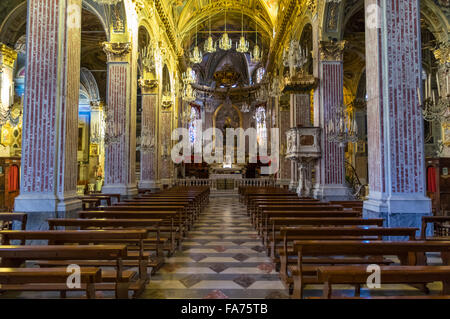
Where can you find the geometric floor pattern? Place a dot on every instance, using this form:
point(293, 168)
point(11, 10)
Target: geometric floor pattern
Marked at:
point(221, 258)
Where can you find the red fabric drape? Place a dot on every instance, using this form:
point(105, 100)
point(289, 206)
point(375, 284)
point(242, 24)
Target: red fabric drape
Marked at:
point(431, 179)
point(13, 181)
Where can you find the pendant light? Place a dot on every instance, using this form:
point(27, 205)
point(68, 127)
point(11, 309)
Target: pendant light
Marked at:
point(255, 56)
point(225, 41)
point(242, 46)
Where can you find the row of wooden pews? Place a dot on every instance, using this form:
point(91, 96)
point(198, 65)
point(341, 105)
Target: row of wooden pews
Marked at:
point(328, 243)
point(115, 247)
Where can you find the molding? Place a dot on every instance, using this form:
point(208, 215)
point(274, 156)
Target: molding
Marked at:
point(116, 49)
point(8, 56)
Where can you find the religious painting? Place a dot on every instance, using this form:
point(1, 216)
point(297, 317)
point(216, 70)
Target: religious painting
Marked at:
point(93, 150)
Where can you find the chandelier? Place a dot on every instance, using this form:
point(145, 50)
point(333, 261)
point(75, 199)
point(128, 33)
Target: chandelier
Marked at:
point(147, 59)
point(256, 55)
point(196, 55)
point(210, 46)
point(112, 134)
point(189, 94)
point(341, 128)
point(436, 108)
point(262, 94)
point(245, 108)
point(147, 141)
point(242, 46)
point(186, 115)
point(294, 57)
point(188, 76)
point(225, 42)
point(275, 89)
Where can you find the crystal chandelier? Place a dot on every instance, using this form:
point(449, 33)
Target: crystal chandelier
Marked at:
point(210, 46)
point(189, 94)
point(242, 46)
point(256, 55)
point(188, 76)
point(341, 128)
point(262, 94)
point(436, 108)
point(147, 141)
point(294, 57)
point(196, 55)
point(245, 108)
point(275, 89)
point(225, 42)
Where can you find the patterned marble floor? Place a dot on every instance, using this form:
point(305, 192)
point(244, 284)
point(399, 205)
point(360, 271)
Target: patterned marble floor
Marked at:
point(221, 258)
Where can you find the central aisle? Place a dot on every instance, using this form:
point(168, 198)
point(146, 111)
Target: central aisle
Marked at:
point(221, 258)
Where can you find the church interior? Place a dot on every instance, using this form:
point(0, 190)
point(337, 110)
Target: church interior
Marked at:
point(212, 149)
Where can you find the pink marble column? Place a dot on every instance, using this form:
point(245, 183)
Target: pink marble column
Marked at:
point(148, 178)
point(120, 140)
point(395, 126)
point(330, 170)
point(50, 124)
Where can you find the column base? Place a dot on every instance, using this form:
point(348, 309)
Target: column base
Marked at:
point(399, 211)
point(152, 185)
point(41, 207)
point(331, 192)
point(30, 203)
point(122, 189)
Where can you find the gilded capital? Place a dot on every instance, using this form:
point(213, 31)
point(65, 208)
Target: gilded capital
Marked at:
point(147, 84)
point(116, 49)
point(7, 56)
point(442, 53)
point(332, 50)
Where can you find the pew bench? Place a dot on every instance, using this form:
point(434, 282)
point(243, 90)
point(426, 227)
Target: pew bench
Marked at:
point(406, 251)
point(118, 281)
point(48, 279)
point(332, 275)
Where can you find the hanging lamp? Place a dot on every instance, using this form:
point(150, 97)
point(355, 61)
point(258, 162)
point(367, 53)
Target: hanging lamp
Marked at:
point(242, 46)
point(225, 41)
point(210, 46)
point(196, 54)
point(255, 56)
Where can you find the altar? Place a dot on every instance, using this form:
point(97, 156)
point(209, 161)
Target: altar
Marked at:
point(224, 177)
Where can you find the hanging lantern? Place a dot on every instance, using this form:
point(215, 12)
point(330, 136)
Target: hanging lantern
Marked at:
point(242, 46)
point(210, 46)
point(225, 42)
point(256, 55)
point(196, 55)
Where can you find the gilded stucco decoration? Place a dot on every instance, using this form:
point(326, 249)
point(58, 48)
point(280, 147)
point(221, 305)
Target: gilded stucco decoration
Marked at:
point(332, 50)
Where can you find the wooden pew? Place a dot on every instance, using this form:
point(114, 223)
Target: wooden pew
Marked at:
point(291, 234)
point(90, 203)
point(437, 222)
point(331, 275)
point(134, 237)
point(172, 223)
point(14, 256)
point(405, 250)
point(266, 215)
point(48, 279)
point(151, 243)
point(274, 237)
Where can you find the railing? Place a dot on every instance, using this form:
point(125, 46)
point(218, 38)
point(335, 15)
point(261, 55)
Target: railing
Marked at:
point(358, 189)
point(258, 182)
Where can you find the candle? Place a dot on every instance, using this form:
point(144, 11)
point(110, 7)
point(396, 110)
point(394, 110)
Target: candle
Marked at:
point(438, 85)
point(418, 96)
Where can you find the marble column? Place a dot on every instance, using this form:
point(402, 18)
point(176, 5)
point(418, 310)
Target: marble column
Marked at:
point(149, 142)
point(300, 114)
point(50, 120)
point(165, 132)
point(330, 168)
point(395, 125)
point(120, 136)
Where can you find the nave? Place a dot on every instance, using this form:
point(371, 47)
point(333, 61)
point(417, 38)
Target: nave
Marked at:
point(182, 244)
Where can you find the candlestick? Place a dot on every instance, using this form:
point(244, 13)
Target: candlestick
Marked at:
point(438, 85)
point(418, 96)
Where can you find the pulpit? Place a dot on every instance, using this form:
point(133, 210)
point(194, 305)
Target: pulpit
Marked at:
point(303, 147)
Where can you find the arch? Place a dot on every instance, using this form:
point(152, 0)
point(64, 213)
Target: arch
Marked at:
point(216, 112)
point(88, 81)
point(14, 24)
point(95, 9)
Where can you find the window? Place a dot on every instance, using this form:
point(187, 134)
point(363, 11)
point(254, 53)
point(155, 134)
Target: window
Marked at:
point(261, 126)
point(260, 74)
point(195, 115)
